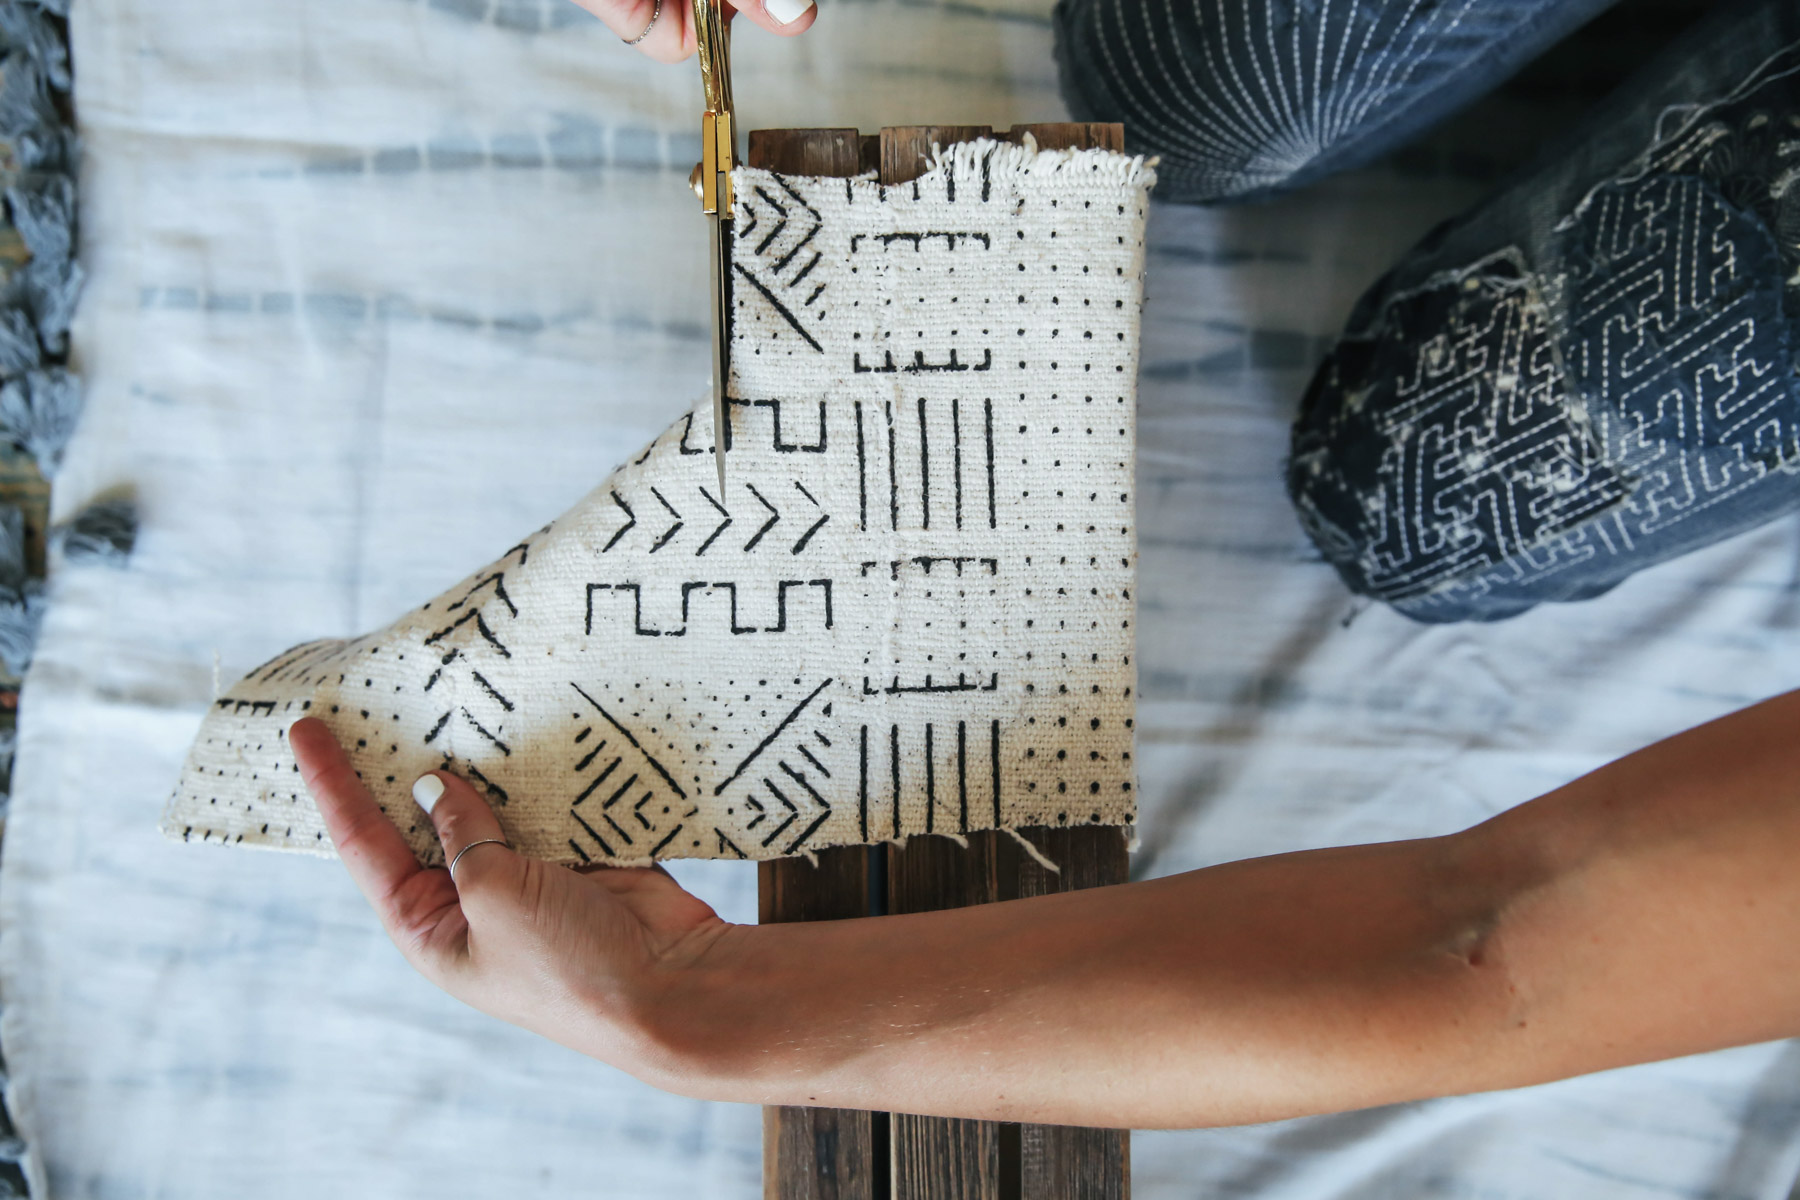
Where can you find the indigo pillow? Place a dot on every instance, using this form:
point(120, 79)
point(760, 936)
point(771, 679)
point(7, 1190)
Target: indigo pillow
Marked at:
point(1250, 97)
point(1591, 373)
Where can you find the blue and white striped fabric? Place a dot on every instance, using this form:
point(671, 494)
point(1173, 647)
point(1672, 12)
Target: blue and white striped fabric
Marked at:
point(376, 284)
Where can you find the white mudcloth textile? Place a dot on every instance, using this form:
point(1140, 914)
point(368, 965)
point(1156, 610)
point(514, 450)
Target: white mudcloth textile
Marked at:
point(325, 236)
point(641, 680)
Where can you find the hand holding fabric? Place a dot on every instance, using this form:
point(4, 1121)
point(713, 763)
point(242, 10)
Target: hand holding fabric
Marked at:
point(581, 956)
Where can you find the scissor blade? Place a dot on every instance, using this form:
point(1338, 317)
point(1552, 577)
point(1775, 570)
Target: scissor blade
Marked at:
point(721, 344)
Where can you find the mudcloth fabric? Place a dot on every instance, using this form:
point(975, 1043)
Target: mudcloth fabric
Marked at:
point(912, 612)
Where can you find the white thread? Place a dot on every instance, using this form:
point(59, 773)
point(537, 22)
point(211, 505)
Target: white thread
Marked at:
point(1037, 856)
point(1107, 169)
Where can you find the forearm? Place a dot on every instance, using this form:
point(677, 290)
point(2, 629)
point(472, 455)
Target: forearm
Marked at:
point(1649, 909)
point(1330, 979)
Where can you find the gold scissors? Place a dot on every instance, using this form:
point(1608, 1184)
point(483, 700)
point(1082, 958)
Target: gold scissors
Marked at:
point(711, 181)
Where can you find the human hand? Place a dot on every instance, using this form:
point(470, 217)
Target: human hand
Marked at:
point(671, 38)
point(589, 958)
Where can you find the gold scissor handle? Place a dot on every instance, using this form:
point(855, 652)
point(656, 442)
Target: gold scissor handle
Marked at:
point(713, 38)
point(712, 183)
point(718, 143)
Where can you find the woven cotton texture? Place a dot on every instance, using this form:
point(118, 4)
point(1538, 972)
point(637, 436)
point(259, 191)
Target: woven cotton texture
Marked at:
point(911, 612)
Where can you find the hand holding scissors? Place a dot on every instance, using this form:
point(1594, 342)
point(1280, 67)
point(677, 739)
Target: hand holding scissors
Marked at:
point(666, 29)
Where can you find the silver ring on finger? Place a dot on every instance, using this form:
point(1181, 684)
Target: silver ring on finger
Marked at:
point(471, 846)
point(655, 16)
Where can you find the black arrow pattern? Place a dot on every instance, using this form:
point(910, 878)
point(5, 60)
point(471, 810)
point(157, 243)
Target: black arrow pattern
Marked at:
point(630, 522)
point(774, 517)
point(673, 529)
point(816, 520)
point(723, 523)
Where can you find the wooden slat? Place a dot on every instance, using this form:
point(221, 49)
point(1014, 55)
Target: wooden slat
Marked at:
point(820, 1153)
point(792, 889)
point(938, 1158)
point(906, 149)
point(1066, 1162)
point(945, 1159)
point(817, 1153)
point(1095, 136)
point(832, 153)
point(932, 872)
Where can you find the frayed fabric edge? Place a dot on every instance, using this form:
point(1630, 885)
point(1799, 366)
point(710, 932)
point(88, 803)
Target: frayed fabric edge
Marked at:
point(998, 162)
point(965, 159)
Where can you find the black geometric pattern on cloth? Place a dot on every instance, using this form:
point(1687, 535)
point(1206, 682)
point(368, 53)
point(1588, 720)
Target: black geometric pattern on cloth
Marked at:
point(910, 611)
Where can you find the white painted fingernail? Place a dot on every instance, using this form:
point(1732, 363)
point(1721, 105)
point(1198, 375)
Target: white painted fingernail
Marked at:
point(787, 11)
point(427, 791)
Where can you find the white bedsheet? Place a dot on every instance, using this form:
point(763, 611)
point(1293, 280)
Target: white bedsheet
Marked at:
point(379, 284)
